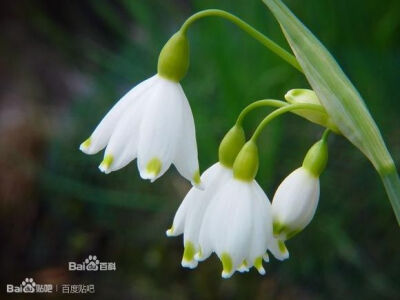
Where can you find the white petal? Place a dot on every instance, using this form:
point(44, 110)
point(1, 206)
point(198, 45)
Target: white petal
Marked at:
point(160, 129)
point(296, 200)
point(219, 176)
point(278, 248)
point(243, 267)
point(214, 175)
point(228, 224)
point(189, 264)
point(186, 158)
point(101, 135)
point(190, 213)
point(262, 228)
point(178, 224)
point(122, 147)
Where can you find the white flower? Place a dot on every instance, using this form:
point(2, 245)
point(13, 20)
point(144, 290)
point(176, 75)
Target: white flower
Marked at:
point(230, 217)
point(189, 215)
point(237, 226)
point(295, 202)
point(153, 122)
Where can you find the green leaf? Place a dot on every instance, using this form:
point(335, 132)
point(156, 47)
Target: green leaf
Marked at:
point(339, 97)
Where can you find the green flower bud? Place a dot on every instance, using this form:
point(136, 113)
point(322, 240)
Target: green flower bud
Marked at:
point(245, 166)
point(316, 158)
point(173, 61)
point(230, 146)
point(310, 97)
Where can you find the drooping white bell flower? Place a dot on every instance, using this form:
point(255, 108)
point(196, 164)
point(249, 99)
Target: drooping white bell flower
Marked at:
point(189, 216)
point(295, 203)
point(153, 122)
point(237, 224)
point(296, 199)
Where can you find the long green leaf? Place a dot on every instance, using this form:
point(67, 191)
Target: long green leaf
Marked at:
point(339, 97)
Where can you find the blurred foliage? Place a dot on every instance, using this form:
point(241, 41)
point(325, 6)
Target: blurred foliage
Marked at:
point(66, 63)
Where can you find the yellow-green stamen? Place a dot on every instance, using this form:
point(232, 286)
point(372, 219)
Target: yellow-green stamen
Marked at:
point(226, 263)
point(258, 263)
point(243, 265)
point(107, 161)
point(283, 231)
point(87, 143)
point(282, 246)
point(189, 252)
point(154, 166)
point(200, 253)
point(196, 177)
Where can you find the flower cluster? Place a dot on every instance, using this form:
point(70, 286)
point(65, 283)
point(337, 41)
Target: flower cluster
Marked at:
point(234, 218)
point(226, 212)
point(231, 218)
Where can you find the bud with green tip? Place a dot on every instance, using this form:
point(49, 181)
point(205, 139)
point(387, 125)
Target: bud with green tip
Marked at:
point(230, 146)
point(296, 199)
point(246, 163)
point(316, 158)
point(173, 61)
point(322, 118)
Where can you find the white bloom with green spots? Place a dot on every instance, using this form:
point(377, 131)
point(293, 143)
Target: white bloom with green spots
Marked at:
point(153, 122)
point(189, 216)
point(211, 220)
point(295, 202)
point(237, 226)
point(296, 199)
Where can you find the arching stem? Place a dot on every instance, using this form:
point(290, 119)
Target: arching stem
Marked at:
point(257, 104)
point(326, 134)
point(281, 111)
point(267, 42)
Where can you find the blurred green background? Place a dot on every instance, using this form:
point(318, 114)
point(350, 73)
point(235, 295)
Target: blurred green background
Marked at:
point(62, 66)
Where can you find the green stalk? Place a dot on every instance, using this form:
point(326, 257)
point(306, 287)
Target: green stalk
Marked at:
point(281, 111)
point(257, 104)
point(267, 42)
point(326, 134)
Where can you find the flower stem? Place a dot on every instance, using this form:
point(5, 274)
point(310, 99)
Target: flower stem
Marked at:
point(326, 134)
point(267, 42)
point(281, 111)
point(256, 104)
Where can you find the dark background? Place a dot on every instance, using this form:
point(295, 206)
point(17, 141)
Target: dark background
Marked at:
point(62, 66)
